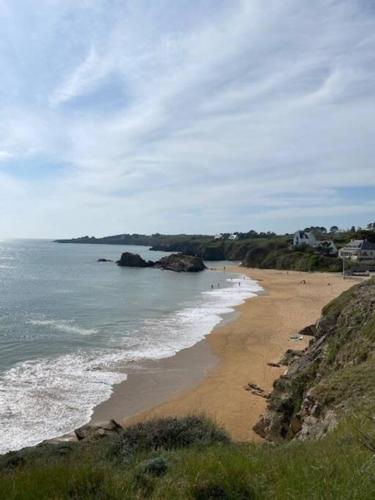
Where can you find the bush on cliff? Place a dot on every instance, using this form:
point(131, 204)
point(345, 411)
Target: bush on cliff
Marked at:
point(339, 466)
point(166, 434)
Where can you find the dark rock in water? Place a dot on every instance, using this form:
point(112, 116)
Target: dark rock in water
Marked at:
point(181, 263)
point(129, 259)
point(95, 431)
point(175, 262)
point(104, 260)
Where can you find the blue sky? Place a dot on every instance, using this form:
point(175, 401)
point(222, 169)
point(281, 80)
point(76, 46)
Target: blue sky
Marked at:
point(185, 116)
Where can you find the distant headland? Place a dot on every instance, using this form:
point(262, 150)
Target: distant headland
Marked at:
point(313, 248)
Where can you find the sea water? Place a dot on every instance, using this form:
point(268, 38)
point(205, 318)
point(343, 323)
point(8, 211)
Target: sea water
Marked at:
point(70, 325)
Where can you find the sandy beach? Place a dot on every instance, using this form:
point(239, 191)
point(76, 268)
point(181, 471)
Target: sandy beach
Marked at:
point(210, 378)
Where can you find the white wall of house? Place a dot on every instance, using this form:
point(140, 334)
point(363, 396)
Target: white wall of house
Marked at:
point(358, 251)
point(304, 238)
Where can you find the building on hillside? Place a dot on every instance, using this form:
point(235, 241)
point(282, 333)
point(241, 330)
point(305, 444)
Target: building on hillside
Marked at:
point(314, 240)
point(362, 251)
point(218, 236)
point(233, 237)
point(302, 238)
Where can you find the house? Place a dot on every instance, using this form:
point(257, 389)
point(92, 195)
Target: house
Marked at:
point(233, 237)
point(314, 240)
point(218, 236)
point(302, 238)
point(362, 251)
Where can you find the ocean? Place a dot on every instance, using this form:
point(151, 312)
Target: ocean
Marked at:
point(69, 325)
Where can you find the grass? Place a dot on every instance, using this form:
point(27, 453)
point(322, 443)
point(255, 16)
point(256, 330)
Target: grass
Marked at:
point(342, 466)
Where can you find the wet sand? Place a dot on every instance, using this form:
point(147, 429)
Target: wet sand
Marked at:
point(210, 377)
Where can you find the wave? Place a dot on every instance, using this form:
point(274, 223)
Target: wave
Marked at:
point(45, 398)
point(66, 326)
point(184, 328)
point(42, 399)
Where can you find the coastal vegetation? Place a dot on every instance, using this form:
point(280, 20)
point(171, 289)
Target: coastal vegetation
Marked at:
point(262, 250)
point(319, 430)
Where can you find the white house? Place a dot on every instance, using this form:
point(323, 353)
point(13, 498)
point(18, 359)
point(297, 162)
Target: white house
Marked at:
point(218, 236)
point(233, 237)
point(359, 251)
point(301, 238)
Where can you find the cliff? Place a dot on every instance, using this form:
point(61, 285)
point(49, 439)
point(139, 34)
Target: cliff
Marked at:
point(333, 378)
point(268, 251)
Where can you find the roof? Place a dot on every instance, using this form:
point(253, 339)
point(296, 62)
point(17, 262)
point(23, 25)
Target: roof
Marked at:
point(355, 244)
point(360, 245)
point(301, 234)
point(368, 245)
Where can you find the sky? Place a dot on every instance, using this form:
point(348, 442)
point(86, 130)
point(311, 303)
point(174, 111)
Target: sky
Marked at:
point(195, 116)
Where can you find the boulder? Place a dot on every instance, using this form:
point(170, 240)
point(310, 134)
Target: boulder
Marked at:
point(309, 331)
point(129, 259)
point(181, 263)
point(95, 431)
point(104, 260)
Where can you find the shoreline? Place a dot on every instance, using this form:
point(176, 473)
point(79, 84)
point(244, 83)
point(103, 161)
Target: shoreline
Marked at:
point(159, 380)
point(209, 378)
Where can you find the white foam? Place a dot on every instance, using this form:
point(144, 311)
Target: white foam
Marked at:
point(66, 326)
point(42, 399)
point(183, 329)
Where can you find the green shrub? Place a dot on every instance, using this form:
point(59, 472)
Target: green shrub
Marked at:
point(166, 433)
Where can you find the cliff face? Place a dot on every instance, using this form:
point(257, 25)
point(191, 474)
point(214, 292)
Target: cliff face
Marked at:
point(333, 377)
point(281, 257)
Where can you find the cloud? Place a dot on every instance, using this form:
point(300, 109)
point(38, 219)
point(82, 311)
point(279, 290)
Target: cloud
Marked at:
point(188, 117)
point(5, 155)
point(84, 78)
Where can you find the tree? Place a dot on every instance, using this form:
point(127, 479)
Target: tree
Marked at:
point(333, 229)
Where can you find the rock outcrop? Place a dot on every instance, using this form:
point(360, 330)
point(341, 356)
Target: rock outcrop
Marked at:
point(97, 431)
point(129, 259)
point(174, 262)
point(333, 377)
point(181, 263)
